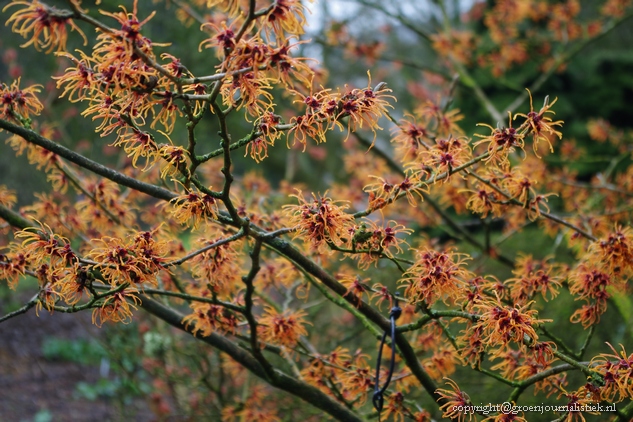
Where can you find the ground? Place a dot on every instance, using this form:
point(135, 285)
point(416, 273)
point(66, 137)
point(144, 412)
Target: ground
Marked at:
point(34, 388)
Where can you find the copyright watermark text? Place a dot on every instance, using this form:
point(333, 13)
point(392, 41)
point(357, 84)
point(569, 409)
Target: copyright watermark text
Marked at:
point(508, 408)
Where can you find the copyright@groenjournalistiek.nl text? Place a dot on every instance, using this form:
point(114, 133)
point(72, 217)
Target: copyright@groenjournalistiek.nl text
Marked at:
point(508, 408)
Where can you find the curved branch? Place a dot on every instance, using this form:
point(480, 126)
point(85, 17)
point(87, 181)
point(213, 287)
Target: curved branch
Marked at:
point(97, 168)
point(282, 381)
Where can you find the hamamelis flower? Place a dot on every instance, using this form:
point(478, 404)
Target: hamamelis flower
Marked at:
point(174, 157)
point(519, 186)
point(22, 102)
point(615, 252)
point(370, 241)
point(442, 363)
point(47, 25)
point(120, 263)
point(395, 408)
point(167, 110)
point(191, 208)
point(472, 347)
point(532, 277)
point(287, 67)
point(248, 90)
point(117, 308)
point(286, 16)
point(138, 144)
point(577, 402)
point(615, 8)
point(48, 296)
point(224, 38)
point(435, 275)
point(485, 200)
point(231, 7)
point(383, 192)
point(455, 401)
point(541, 125)
point(282, 328)
point(445, 122)
point(267, 125)
point(41, 242)
point(502, 324)
point(356, 382)
point(75, 284)
point(446, 154)
point(216, 271)
point(616, 370)
point(79, 80)
point(129, 34)
point(356, 287)
point(588, 283)
point(320, 220)
point(409, 137)
point(207, 318)
point(501, 142)
point(7, 196)
point(13, 266)
point(365, 106)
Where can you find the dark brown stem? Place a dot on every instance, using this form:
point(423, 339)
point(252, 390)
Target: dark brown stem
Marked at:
point(281, 380)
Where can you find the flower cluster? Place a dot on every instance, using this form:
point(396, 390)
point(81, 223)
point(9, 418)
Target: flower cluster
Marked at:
point(532, 277)
point(19, 103)
point(137, 261)
point(193, 207)
point(501, 142)
point(45, 25)
point(541, 125)
point(284, 329)
point(436, 275)
point(362, 107)
point(455, 401)
point(615, 370)
point(207, 318)
point(501, 325)
point(320, 221)
point(368, 241)
point(590, 284)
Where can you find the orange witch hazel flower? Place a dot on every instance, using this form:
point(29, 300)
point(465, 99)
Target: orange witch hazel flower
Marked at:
point(446, 155)
point(588, 283)
point(8, 197)
point(455, 400)
point(321, 221)
point(365, 106)
point(130, 29)
point(615, 253)
point(541, 125)
point(616, 371)
point(436, 275)
point(117, 308)
point(207, 318)
point(47, 23)
point(501, 142)
point(502, 324)
point(22, 102)
point(134, 262)
point(282, 328)
point(286, 16)
point(191, 208)
point(80, 80)
point(370, 241)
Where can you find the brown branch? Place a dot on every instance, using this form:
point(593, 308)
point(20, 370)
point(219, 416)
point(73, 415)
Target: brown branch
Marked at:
point(281, 380)
point(97, 168)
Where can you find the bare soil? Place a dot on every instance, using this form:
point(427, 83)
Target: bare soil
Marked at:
point(30, 384)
